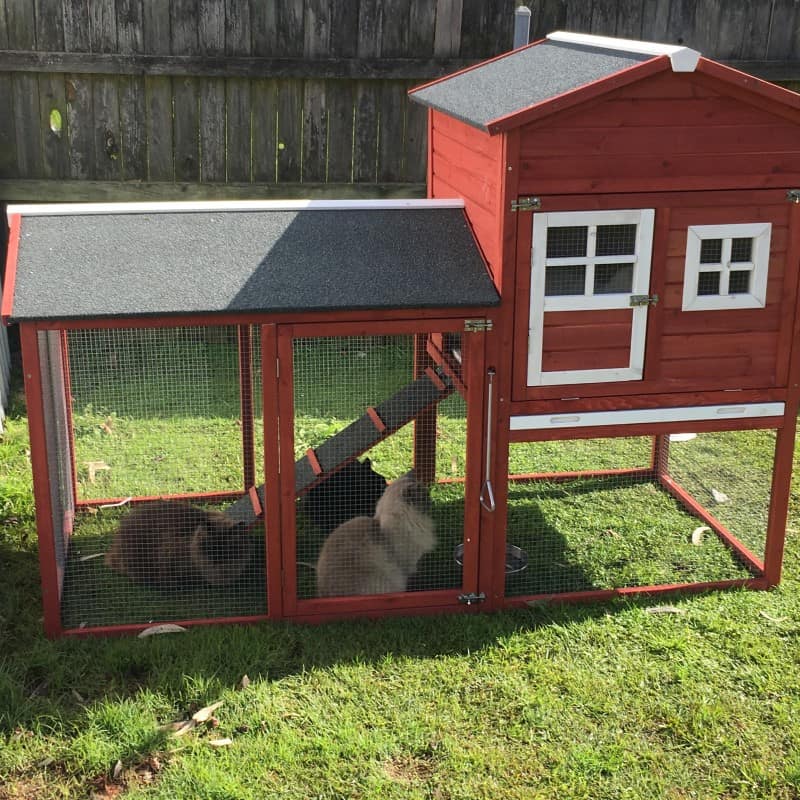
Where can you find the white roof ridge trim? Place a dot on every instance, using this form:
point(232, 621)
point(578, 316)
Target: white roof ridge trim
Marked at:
point(73, 209)
point(683, 59)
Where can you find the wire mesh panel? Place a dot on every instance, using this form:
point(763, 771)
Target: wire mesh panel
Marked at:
point(157, 417)
point(596, 514)
point(367, 410)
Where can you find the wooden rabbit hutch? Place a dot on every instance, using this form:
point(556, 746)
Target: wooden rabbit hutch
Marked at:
point(584, 343)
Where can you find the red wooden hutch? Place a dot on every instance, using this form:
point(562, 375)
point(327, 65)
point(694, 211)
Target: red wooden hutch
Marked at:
point(588, 331)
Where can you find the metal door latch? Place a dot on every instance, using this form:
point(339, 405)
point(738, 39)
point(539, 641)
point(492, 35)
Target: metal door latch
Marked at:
point(469, 599)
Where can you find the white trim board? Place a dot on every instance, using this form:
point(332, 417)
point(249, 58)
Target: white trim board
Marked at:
point(79, 209)
point(683, 59)
point(639, 416)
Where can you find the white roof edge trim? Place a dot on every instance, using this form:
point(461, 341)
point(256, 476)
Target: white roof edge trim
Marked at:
point(683, 59)
point(74, 209)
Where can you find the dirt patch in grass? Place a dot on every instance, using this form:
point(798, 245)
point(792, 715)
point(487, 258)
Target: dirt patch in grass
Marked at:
point(24, 789)
point(409, 769)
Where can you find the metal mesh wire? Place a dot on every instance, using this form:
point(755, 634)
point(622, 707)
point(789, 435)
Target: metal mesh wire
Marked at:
point(594, 514)
point(407, 543)
point(157, 414)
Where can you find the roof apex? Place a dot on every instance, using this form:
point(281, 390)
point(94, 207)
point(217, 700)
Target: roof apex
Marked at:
point(683, 59)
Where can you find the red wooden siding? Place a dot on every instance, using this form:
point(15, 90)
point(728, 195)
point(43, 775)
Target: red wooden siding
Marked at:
point(467, 163)
point(578, 340)
point(669, 131)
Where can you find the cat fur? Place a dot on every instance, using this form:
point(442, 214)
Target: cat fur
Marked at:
point(374, 555)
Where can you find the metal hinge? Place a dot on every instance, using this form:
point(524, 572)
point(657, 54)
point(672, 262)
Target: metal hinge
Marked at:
point(469, 599)
point(526, 204)
point(643, 300)
point(793, 195)
point(477, 325)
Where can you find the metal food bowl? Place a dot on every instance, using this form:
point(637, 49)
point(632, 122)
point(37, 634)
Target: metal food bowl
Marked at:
point(516, 558)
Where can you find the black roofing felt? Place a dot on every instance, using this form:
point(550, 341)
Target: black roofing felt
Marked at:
point(120, 265)
point(522, 79)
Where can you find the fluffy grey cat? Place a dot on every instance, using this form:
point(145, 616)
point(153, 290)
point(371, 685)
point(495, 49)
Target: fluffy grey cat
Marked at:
point(374, 555)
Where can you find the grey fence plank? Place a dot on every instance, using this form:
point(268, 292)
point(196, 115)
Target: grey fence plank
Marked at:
point(629, 19)
point(21, 25)
point(159, 129)
point(290, 122)
point(681, 22)
point(706, 25)
point(732, 22)
point(447, 31)
point(655, 20)
point(212, 129)
point(547, 16)
point(55, 139)
point(579, 16)
point(416, 142)
point(211, 27)
point(28, 126)
point(3, 26)
point(784, 34)
point(264, 127)
point(341, 107)
point(108, 164)
point(421, 28)
point(289, 28)
point(49, 25)
point(391, 145)
point(237, 28)
point(604, 17)
point(133, 128)
point(315, 132)
point(395, 28)
point(183, 25)
point(8, 139)
point(237, 117)
point(186, 108)
point(102, 26)
point(130, 26)
point(80, 126)
point(756, 32)
point(156, 27)
point(264, 28)
point(76, 26)
point(367, 114)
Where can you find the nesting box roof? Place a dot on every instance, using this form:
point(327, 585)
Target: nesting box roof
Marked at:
point(492, 95)
point(133, 260)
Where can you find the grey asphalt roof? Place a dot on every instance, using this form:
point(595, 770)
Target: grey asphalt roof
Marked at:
point(522, 79)
point(117, 265)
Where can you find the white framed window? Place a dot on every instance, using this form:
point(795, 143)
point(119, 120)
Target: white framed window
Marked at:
point(589, 261)
point(726, 266)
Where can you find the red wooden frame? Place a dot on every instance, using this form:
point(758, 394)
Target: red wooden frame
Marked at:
point(12, 253)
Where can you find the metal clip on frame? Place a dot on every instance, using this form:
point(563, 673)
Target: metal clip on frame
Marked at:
point(487, 492)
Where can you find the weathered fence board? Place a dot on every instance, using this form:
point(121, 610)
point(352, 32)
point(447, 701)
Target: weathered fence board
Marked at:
point(240, 92)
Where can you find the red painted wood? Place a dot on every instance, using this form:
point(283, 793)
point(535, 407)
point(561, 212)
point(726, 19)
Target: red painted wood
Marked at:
point(694, 507)
point(12, 252)
point(68, 412)
point(379, 424)
point(255, 502)
point(377, 603)
point(607, 358)
point(314, 462)
point(599, 595)
point(134, 628)
point(287, 505)
point(434, 379)
point(451, 367)
point(425, 423)
point(246, 405)
point(48, 567)
point(273, 498)
point(558, 477)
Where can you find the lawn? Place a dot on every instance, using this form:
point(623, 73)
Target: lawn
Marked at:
point(700, 700)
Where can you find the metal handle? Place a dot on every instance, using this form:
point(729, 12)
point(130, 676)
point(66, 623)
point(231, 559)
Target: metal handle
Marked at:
point(487, 492)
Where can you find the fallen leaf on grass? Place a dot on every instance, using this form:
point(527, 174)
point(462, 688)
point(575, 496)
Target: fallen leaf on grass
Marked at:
point(78, 696)
point(682, 437)
point(719, 497)
point(117, 770)
point(244, 682)
point(776, 620)
point(664, 610)
point(220, 742)
point(178, 728)
point(205, 714)
point(697, 534)
point(91, 556)
point(167, 627)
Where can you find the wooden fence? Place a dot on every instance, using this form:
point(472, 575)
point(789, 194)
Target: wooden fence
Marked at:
point(242, 97)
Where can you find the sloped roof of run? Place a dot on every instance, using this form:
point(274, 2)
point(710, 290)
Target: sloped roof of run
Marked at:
point(213, 259)
point(490, 95)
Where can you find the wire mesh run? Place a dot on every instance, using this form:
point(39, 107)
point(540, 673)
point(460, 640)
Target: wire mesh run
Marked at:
point(597, 514)
point(368, 410)
point(160, 437)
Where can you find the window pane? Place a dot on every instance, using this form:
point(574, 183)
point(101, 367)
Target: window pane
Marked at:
point(564, 280)
point(739, 281)
point(613, 278)
point(567, 242)
point(616, 240)
point(741, 250)
point(711, 251)
point(708, 283)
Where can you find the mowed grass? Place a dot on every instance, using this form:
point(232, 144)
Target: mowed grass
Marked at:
point(600, 701)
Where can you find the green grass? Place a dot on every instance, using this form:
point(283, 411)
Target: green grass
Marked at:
point(602, 701)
